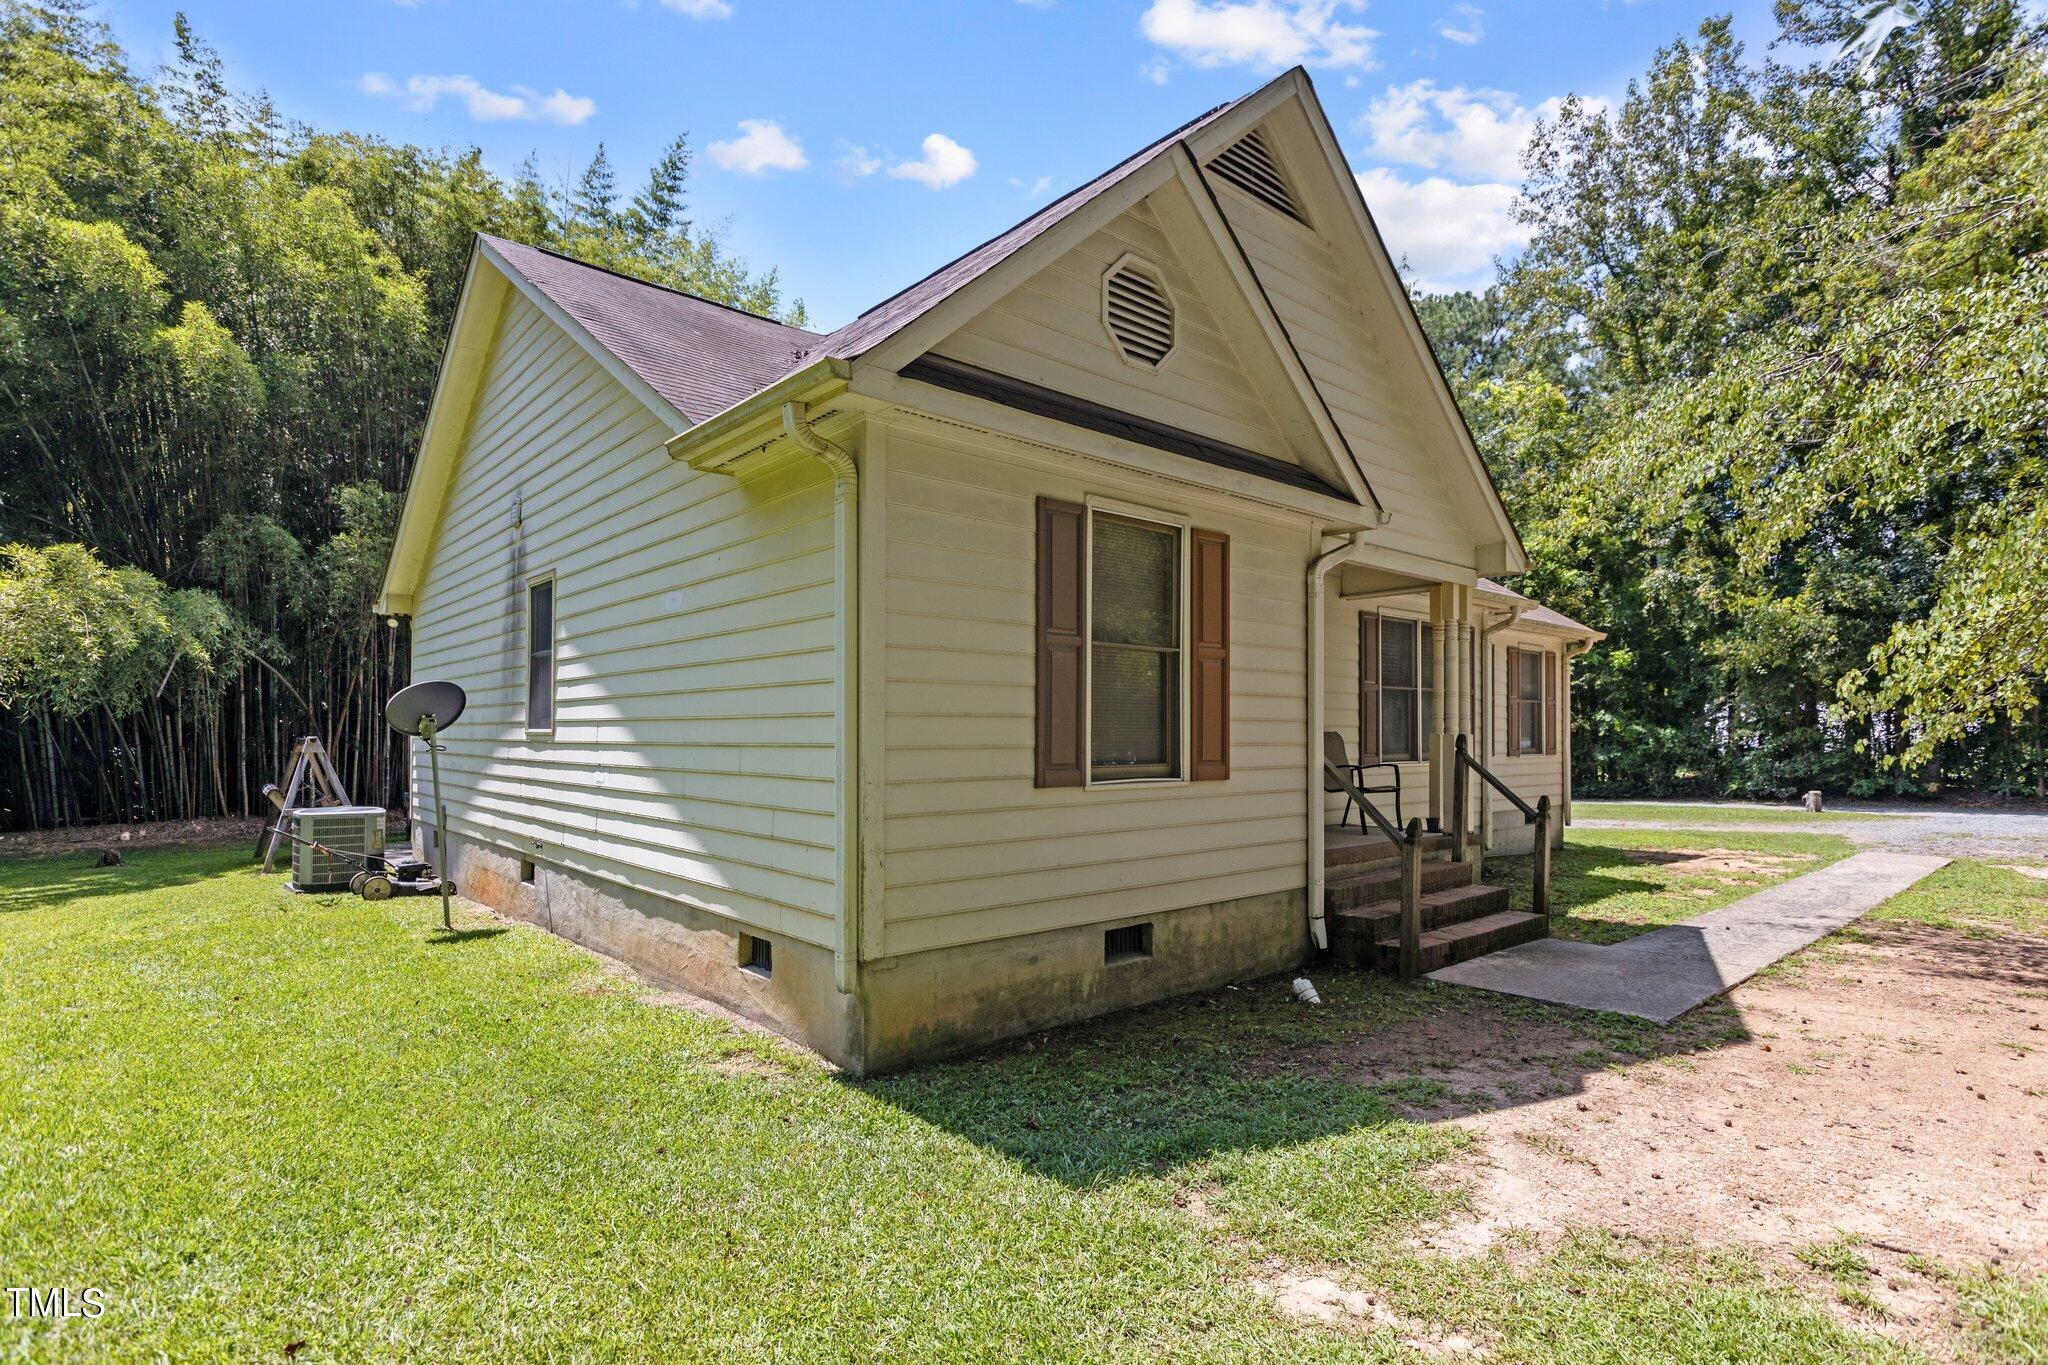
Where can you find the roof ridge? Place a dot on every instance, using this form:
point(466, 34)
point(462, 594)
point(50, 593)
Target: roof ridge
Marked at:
point(651, 284)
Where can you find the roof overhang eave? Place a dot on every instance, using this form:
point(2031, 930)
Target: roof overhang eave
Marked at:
point(722, 441)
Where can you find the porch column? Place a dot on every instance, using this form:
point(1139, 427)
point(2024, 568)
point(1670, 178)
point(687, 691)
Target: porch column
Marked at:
point(1449, 606)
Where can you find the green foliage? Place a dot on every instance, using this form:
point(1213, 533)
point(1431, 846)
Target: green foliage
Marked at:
point(218, 339)
point(1767, 396)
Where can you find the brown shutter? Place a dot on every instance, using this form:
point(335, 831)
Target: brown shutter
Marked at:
point(1549, 702)
point(1368, 687)
point(1511, 731)
point(1211, 678)
point(1062, 644)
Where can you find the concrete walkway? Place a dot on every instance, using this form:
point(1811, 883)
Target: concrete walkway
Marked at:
point(1661, 974)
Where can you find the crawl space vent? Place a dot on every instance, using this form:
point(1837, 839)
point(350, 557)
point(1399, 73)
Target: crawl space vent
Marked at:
point(1248, 164)
point(1138, 313)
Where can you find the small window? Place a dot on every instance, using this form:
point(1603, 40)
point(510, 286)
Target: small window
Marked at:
point(757, 955)
point(1128, 944)
point(1134, 661)
point(526, 871)
point(1528, 701)
point(540, 655)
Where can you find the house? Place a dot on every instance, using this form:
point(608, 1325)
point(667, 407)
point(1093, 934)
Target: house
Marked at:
point(965, 670)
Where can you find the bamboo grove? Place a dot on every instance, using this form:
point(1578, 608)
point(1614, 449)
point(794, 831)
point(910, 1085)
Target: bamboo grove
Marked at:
point(218, 339)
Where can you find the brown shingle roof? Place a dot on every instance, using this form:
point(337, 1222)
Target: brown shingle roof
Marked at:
point(701, 357)
point(1534, 613)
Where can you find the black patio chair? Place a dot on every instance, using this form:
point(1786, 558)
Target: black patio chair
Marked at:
point(1338, 757)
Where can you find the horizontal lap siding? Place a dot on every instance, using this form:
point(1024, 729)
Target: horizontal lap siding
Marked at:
point(1372, 400)
point(1049, 331)
point(692, 755)
point(972, 850)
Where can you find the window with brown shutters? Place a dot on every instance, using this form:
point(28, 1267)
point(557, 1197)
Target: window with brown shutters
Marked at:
point(1209, 685)
point(1133, 649)
point(1062, 643)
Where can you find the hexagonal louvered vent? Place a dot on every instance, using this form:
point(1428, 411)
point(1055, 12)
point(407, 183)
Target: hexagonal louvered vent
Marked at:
point(1138, 312)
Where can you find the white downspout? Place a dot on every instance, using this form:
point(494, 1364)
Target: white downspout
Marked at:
point(846, 660)
point(1484, 662)
point(1318, 931)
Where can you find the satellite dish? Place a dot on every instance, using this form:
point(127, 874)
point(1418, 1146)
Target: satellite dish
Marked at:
point(440, 701)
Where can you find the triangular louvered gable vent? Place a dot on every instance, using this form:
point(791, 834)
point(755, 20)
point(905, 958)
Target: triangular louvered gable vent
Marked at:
point(1248, 163)
point(1138, 312)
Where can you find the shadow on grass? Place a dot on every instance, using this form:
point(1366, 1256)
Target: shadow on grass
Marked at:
point(1246, 1068)
point(442, 937)
point(49, 883)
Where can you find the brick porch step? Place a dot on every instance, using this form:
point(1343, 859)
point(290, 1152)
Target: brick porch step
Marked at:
point(1464, 941)
point(1375, 883)
point(1352, 850)
point(1357, 933)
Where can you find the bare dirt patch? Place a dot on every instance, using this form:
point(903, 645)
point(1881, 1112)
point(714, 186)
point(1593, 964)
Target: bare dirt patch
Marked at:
point(1889, 1097)
point(1720, 863)
point(1308, 1297)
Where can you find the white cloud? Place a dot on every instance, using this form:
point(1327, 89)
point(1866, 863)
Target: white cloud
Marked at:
point(1465, 24)
point(1260, 33)
point(1157, 70)
point(1444, 233)
point(856, 161)
point(1032, 188)
point(1466, 132)
point(945, 163)
point(485, 105)
point(700, 9)
point(761, 147)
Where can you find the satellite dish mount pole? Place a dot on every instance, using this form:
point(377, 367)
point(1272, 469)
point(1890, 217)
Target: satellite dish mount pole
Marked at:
point(427, 730)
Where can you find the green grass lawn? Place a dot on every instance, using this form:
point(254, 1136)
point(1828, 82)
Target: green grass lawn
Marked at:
point(1709, 816)
point(1612, 884)
point(254, 1120)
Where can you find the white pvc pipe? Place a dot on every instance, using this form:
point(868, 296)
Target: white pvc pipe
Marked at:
point(1318, 930)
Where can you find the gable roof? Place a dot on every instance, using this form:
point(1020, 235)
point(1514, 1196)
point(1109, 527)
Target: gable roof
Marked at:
point(904, 307)
point(700, 357)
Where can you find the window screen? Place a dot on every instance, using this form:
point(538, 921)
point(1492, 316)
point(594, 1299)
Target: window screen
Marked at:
point(1400, 694)
point(1134, 649)
point(1529, 701)
point(540, 655)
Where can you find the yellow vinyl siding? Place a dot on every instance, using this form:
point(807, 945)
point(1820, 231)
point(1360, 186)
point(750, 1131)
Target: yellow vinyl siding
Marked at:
point(1358, 380)
point(971, 849)
point(692, 755)
point(1049, 331)
point(1531, 775)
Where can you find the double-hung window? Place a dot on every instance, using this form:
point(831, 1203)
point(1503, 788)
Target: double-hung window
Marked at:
point(1400, 689)
point(540, 655)
point(1136, 678)
point(1529, 728)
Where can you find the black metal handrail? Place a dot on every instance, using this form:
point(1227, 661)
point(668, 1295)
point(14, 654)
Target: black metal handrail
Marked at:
point(1350, 789)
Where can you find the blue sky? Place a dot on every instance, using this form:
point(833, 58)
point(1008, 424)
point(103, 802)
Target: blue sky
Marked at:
point(859, 146)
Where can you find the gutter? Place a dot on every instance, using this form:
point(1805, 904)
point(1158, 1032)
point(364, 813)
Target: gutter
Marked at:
point(1318, 930)
point(1485, 664)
